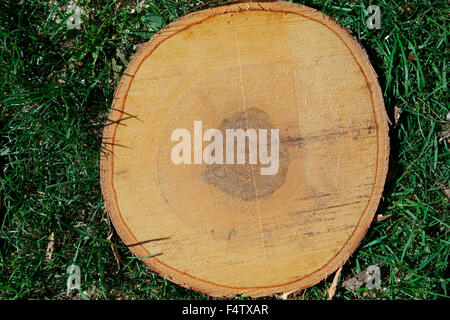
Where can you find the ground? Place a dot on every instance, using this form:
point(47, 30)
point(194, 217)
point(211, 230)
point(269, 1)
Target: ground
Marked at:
point(57, 82)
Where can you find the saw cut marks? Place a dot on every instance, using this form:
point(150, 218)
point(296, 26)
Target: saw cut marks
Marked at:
point(227, 229)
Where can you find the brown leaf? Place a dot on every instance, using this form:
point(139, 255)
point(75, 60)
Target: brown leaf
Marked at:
point(412, 57)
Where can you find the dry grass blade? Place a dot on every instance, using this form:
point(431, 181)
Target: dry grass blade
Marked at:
point(50, 247)
point(380, 217)
point(332, 289)
point(115, 251)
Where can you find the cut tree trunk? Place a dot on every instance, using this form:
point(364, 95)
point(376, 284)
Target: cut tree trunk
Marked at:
point(227, 229)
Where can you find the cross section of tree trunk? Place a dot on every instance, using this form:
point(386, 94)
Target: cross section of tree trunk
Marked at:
point(227, 229)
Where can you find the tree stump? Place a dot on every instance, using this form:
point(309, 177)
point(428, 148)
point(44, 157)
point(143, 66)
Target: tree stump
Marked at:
point(227, 229)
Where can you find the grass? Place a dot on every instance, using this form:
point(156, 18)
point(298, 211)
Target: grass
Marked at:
point(56, 89)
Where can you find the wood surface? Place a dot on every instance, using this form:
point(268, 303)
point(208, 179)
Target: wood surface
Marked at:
point(278, 65)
